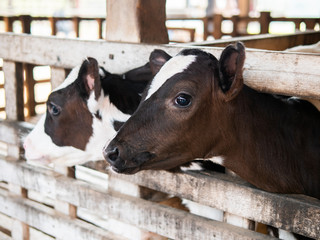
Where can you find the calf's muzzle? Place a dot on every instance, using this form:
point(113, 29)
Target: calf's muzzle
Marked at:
point(116, 157)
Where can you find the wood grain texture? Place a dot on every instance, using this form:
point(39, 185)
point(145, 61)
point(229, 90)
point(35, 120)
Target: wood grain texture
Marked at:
point(150, 216)
point(133, 21)
point(13, 86)
point(49, 221)
point(275, 72)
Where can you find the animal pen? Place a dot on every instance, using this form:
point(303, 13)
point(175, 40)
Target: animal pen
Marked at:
point(87, 201)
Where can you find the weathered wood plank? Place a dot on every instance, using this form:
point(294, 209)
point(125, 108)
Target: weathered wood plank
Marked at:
point(13, 86)
point(38, 235)
point(4, 236)
point(275, 72)
point(103, 221)
point(288, 212)
point(164, 220)
point(137, 21)
point(12, 132)
point(47, 220)
point(266, 41)
point(6, 224)
point(58, 75)
point(20, 230)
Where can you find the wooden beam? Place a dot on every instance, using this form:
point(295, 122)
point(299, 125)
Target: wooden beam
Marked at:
point(48, 220)
point(266, 41)
point(275, 72)
point(136, 21)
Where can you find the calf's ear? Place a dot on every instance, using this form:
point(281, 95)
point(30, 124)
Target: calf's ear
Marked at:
point(157, 59)
point(89, 78)
point(230, 68)
point(139, 74)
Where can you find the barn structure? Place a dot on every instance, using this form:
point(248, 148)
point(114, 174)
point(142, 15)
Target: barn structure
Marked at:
point(89, 202)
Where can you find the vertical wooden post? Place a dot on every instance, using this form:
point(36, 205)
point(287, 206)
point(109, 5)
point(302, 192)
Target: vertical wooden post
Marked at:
point(235, 22)
point(29, 83)
point(53, 23)
point(217, 22)
point(76, 23)
point(8, 24)
point(26, 23)
point(28, 68)
point(244, 8)
point(139, 21)
point(100, 21)
point(13, 86)
point(205, 28)
point(265, 19)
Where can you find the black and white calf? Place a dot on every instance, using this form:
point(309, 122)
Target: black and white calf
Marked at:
point(88, 106)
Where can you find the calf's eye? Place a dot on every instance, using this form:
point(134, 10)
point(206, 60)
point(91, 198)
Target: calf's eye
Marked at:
point(54, 109)
point(183, 100)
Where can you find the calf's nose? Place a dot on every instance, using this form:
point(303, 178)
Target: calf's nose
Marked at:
point(111, 155)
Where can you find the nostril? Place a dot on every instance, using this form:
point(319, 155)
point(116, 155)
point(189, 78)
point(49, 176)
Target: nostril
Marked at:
point(113, 154)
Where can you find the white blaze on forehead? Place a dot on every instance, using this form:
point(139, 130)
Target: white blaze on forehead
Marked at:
point(175, 65)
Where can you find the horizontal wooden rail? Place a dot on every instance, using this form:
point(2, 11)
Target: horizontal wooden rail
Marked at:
point(266, 41)
point(264, 20)
point(49, 221)
point(234, 196)
point(164, 220)
point(275, 72)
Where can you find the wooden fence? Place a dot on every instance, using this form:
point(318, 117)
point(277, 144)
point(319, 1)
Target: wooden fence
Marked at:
point(87, 202)
point(264, 20)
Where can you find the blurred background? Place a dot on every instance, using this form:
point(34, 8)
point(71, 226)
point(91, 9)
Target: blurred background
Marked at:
point(188, 8)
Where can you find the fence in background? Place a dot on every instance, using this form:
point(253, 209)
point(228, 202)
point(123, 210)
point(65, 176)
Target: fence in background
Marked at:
point(239, 29)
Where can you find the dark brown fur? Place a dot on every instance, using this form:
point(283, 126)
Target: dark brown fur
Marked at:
point(272, 142)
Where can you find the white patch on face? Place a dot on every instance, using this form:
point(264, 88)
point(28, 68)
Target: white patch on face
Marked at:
point(175, 65)
point(103, 131)
point(40, 149)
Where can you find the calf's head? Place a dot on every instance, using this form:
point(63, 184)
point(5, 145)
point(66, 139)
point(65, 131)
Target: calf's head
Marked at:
point(183, 112)
point(82, 111)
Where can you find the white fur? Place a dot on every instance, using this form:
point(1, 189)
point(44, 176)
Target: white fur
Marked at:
point(175, 65)
point(193, 167)
point(103, 131)
point(218, 159)
point(285, 235)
